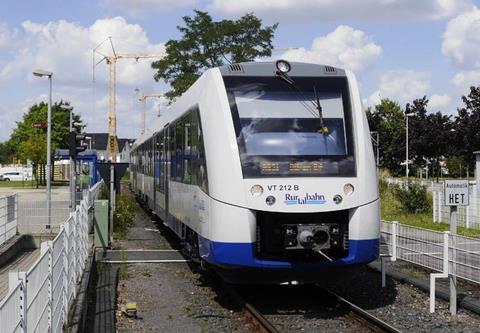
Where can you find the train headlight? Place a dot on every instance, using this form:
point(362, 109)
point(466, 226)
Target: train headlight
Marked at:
point(270, 200)
point(337, 199)
point(256, 190)
point(348, 189)
point(283, 66)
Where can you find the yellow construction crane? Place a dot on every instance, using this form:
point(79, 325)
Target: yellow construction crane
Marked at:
point(112, 146)
point(143, 100)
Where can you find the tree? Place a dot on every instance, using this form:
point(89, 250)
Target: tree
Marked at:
point(388, 119)
point(429, 134)
point(7, 153)
point(206, 43)
point(467, 125)
point(31, 143)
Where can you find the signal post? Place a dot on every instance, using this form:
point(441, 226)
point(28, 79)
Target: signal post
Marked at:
point(456, 194)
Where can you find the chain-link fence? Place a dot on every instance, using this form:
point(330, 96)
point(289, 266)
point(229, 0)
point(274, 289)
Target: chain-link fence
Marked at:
point(8, 217)
point(467, 216)
point(428, 248)
point(33, 216)
point(39, 298)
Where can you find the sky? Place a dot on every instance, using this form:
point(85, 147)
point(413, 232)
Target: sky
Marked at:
point(399, 49)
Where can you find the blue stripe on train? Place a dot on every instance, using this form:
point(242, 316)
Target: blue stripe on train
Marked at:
point(242, 255)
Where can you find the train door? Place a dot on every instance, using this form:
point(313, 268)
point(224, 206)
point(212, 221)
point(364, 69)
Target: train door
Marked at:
point(155, 170)
point(166, 167)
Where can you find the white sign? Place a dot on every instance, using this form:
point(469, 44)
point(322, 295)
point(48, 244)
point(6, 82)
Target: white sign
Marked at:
point(456, 192)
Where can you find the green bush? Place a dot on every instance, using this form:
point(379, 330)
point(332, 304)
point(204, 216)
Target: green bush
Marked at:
point(414, 198)
point(125, 214)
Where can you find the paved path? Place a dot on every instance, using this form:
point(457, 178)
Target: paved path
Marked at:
point(141, 256)
point(21, 263)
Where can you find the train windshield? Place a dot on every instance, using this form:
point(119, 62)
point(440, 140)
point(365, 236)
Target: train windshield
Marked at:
point(280, 131)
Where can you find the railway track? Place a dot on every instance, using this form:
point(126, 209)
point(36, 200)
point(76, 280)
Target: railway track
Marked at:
point(265, 320)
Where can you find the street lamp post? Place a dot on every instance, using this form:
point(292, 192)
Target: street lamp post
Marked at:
point(42, 73)
point(406, 136)
point(72, 180)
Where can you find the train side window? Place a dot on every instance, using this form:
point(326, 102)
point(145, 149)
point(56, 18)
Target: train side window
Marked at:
point(152, 156)
point(193, 134)
point(161, 163)
point(179, 139)
point(187, 149)
point(202, 178)
point(173, 155)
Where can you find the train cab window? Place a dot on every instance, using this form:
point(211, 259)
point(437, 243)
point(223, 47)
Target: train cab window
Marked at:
point(281, 132)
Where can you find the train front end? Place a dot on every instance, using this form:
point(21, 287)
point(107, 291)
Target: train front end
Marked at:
point(307, 199)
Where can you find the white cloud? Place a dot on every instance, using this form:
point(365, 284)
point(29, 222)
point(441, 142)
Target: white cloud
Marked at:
point(301, 10)
point(461, 39)
point(461, 45)
point(467, 78)
point(140, 8)
point(344, 47)
point(5, 35)
point(402, 86)
point(438, 102)
point(65, 48)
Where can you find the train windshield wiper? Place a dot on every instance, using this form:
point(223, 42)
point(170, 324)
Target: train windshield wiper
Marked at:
point(316, 103)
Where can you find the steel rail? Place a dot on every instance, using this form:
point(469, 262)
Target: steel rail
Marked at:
point(259, 320)
point(377, 322)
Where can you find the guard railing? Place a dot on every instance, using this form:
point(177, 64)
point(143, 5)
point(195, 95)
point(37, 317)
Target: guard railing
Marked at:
point(38, 299)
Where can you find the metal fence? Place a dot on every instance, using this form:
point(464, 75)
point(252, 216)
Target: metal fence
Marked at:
point(467, 216)
point(428, 248)
point(38, 299)
point(8, 217)
point(33, 215)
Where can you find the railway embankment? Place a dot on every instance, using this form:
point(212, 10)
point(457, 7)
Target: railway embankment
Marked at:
point(173, 295)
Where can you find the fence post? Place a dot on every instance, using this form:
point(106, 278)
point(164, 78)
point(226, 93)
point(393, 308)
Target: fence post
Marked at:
point(23, 302)
point(394, 240)
point(467, 217)
point(439, 205)
point(435, 206)
point(66, 280)
point(47, 247)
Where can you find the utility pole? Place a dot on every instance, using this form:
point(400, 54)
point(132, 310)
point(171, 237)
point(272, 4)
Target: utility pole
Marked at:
point(143, 100)
point(42, 73)
point(406, 138)
point(112, 147)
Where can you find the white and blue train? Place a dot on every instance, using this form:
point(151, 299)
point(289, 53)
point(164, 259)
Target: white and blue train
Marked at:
point(265, 170)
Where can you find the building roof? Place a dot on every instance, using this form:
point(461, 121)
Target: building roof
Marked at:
point(100, 140)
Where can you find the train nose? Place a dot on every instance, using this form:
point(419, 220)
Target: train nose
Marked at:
point(320, 237)
point(306, 238)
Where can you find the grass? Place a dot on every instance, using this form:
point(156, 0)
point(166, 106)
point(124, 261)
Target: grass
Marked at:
point(122, 270)
point(392, 210)
point(28, 184)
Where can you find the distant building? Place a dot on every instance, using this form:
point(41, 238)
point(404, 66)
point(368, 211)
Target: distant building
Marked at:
point(99, 141)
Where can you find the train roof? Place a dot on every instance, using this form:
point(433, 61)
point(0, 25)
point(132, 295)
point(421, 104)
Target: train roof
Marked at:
point(265, 68)
point(270, 68)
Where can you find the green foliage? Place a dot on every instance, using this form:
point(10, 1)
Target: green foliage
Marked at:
point(125, 214)
point(123, 270)
point(207, 43)
point(7, 153)
point(388, 119)
point(29, 143)
point(414, 198)
point(467, 136)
